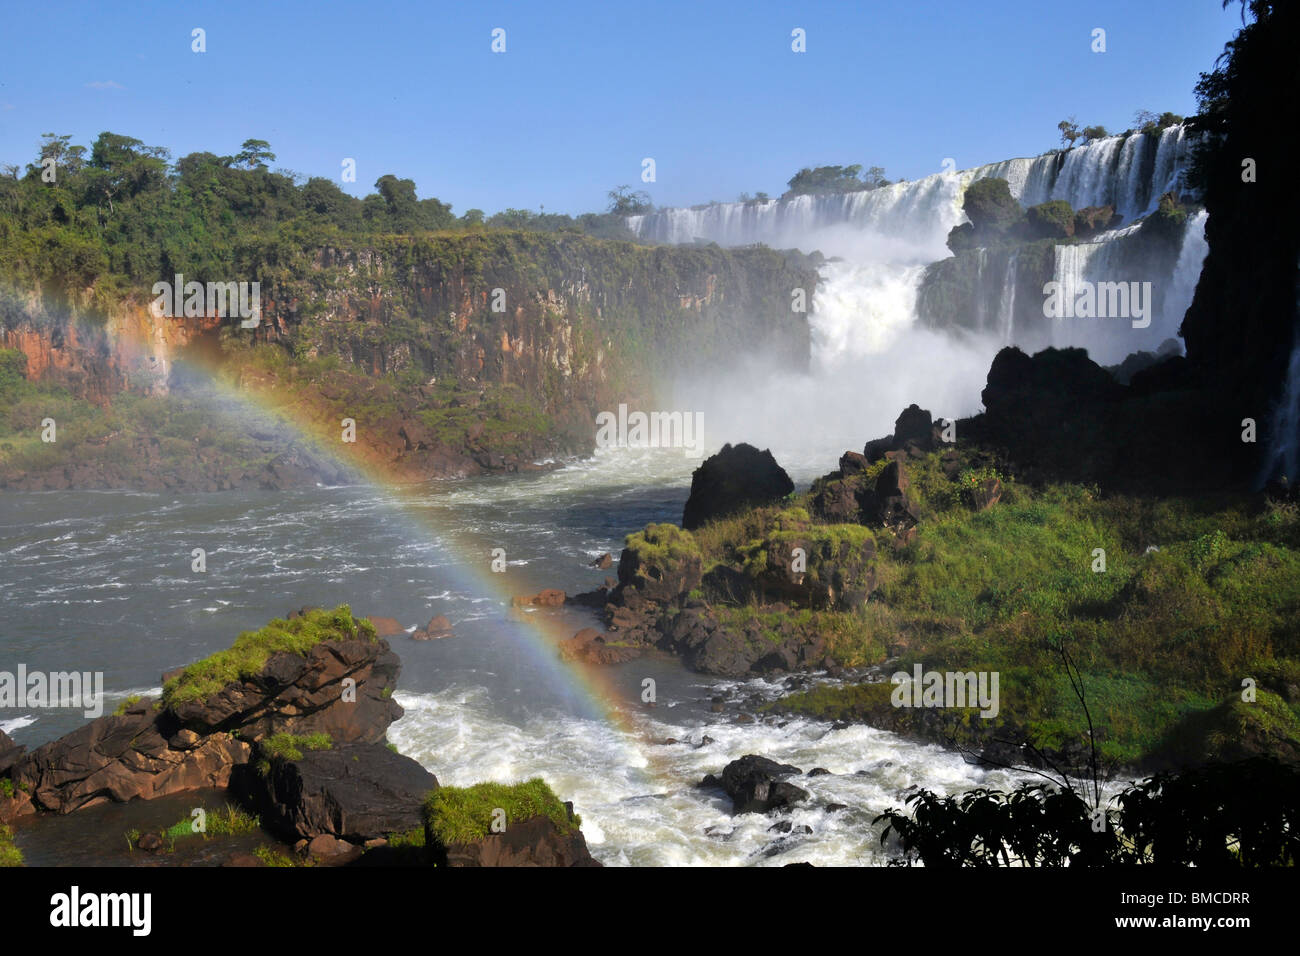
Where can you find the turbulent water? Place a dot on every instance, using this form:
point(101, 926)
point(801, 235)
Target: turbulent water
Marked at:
point(102, 582)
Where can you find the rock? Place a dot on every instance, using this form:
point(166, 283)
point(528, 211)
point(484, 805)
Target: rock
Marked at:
point(818, 772)
point(534, 842)
point(9, 752)
point(386, 626)
point(149, 843)
point(895, 508)
point(661, 563)
point(121, 758)
point(332, 851)
point(356, 792)
point(836, 807)
point(130, 756)
point(548, 597)
point(302, 695)
point(737, 477)
point(243, 860)
point(437, 628)
point(754, 786)
point(591, 646)
point(604, 562)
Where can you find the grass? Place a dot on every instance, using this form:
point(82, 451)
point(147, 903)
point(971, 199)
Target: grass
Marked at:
point(251, 650)
point(1196, 595)
point(10, 855)
point(464, 814)
point(289, 747)
point(230, 820)
point(277, 858)
point(126, 705)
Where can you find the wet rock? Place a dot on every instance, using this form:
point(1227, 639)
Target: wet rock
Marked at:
point(386, 626)
point(818, 772)
point(437, 628)
point(604, 562)
point(755, 784)
point(547, 597)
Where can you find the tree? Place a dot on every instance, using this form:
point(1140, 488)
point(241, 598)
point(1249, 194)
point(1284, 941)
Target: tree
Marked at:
point(835, 179)
point(1091, 133)
point(1069, 132)
point(254, 154)
point(623, 201)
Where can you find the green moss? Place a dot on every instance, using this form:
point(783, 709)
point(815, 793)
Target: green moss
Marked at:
point(126, 705)
point(6, 787)
point(463, 814)
point(251, 650)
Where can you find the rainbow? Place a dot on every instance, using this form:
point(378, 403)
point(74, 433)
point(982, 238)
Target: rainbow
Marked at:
point(470, 570)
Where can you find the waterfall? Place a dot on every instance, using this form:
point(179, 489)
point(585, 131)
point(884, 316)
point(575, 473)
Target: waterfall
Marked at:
point(1283, 458)
point(863, 323)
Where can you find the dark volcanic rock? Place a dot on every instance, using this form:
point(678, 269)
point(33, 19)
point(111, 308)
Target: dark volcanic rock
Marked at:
point(356, 792)
point(533, 842)
point(735, 478)
point(754, 784)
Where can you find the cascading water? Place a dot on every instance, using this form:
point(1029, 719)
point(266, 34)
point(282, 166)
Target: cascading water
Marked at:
point(867, 304)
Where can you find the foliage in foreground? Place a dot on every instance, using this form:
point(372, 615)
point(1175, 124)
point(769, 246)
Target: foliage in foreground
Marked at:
point(1245, 814)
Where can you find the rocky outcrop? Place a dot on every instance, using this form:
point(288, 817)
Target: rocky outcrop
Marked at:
point(153, 749)
point(340, 688)
point(141, 755)
point(356, 792)
point(534, 842)
point(736, 478)
point(757, 784)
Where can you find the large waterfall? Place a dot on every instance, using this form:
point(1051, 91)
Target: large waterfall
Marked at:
point(864, 318)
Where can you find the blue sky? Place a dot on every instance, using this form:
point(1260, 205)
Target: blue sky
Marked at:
point(586, 90)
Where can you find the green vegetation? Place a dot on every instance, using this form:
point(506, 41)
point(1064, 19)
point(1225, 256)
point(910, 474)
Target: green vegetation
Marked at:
point(291, 746)
point(10, 855)
point(6, 787)
point(834, 179)
point(1223, 816)
point(1050, 220)
point(463, 814)
point(662, 544)
point(1197, 595)
point(252, 649)
point(277, 858)
point(230, 820)
point(126, 705)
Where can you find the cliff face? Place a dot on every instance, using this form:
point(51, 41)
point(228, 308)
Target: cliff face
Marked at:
point(564, 317)
point(455, 355)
